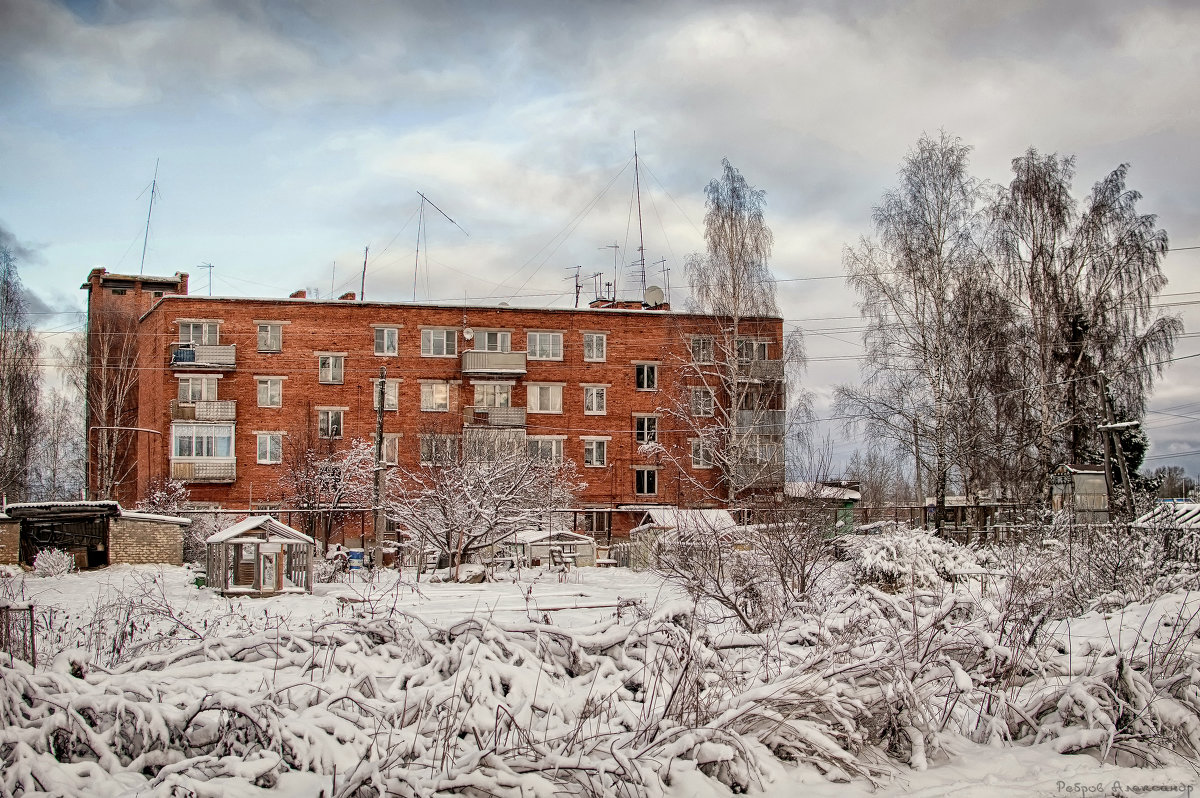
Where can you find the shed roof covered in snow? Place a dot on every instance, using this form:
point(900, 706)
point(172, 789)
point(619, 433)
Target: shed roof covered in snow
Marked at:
point(820, 491)
point(274, 529)
point(1176, 515)
point(539, 535)
point(690, 522)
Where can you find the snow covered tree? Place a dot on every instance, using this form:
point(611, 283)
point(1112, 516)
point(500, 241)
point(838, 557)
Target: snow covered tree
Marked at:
point(475, 492)
point(59, 457)
point(19, 415)
point(324, 481)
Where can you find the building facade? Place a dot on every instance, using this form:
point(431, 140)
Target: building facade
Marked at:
point(230, 389)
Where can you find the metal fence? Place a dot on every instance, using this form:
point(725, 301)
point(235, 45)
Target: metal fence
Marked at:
point(17, 631)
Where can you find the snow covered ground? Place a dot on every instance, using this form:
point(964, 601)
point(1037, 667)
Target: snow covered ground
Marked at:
point(527, 666)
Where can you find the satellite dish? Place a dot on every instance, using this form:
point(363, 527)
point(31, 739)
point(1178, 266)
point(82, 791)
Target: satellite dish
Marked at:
point(468, 333)
point(653, 296)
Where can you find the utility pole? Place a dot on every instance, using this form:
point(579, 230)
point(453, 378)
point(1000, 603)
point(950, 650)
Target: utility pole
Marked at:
point(578, 286)
point(377, 503)
point(1112, 442)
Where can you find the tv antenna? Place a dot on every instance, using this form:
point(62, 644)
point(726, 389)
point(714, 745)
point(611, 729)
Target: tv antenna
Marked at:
point(616, 248)
point(153, 194)
point(421, 231)
point(637, 182)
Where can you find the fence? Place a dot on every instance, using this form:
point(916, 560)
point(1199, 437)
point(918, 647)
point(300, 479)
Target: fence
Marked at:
point(17, 632)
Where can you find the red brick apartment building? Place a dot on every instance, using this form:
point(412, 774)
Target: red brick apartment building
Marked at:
point(224, 384)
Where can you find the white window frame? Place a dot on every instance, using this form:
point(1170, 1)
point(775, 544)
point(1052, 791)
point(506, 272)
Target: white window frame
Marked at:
point(493, 394)
point(758, 349)
point(593, 338)
point(331, 420)
point(387, 341)
point(430, 444)
point(270, 336)
point(210, 436)
point(592, 393)
point(595, 452)
point(209, 331)
point(331, 368)
point(273, 448)
point(207, 383)
point(645, 428)
point(533, 397)
point(434, 339)
point(702, 455)
point(391, 394)
point(540, 442)
point(493, 340)
point(703, 402)
point(430, 401)
point(269, 383)
point(646, 376)
point(645, 475)
point(704, 349)
point(544, 345)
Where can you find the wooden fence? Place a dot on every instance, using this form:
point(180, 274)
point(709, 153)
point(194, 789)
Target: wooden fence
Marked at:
point(17, 632)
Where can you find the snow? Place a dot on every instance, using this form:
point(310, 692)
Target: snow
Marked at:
point(606, 684)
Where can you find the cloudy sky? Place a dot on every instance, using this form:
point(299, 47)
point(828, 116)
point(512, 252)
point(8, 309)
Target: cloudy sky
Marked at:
point(289, 136)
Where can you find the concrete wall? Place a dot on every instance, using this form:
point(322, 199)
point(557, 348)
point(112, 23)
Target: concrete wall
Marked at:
point(138, 541)
point(10, 541)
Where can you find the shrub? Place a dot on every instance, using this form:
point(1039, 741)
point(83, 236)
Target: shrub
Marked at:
point(53, 562)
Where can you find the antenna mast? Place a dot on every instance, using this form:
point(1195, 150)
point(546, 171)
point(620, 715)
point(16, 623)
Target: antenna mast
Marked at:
point(637, 181)
point(209, 266)
point(146, 240)
point(420, 228)
point(578, 286)
point(362, 291)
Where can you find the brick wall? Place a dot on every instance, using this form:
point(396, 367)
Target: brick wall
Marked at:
point(136, 541)
point(10, 541)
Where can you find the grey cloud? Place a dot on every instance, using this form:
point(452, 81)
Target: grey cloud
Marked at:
point(21, 252)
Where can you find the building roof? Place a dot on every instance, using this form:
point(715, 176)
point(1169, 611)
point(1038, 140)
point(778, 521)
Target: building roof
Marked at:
point(538, 535)
point(272, 527)
point(689, 522)
point(1178, 515)
point(819, 490)
point(79, 509)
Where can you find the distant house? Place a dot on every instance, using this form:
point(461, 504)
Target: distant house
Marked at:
point(835, 499)
point(1082, 489)
point(260, 557)
point(96, 534)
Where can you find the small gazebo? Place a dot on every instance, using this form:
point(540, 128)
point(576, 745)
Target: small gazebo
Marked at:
point(260, 557)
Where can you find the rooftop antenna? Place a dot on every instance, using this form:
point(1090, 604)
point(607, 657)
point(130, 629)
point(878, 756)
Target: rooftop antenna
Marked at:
point(616, 248)
point(577, 285)
point(637, 182)
point(208, 266)
point(332, 277)
point(362, 290)
point(421, 230)
point(666, 276)
point(146, 239)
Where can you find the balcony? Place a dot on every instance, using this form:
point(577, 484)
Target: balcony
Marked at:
point(752, 475)
point(762, 422)
point(206, 469)
point(210, 357)
point(494, 416)
point(222, 410)
point(760, 370)
point(475, 361)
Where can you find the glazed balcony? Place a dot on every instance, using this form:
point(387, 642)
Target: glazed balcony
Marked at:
point(494, 416)
point(771, 423)
point(760, 370)
point(475, 361)
point(219, 410)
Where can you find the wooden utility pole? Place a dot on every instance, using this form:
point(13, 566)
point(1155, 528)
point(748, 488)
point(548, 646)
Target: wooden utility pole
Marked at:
point(1112, 442)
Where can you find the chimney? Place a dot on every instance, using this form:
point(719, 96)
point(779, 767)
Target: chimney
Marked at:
point(301, 294)
point(348, 296)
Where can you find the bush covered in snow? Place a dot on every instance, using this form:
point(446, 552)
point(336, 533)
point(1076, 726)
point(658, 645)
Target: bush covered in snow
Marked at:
point(53, 562)
point(910, 558)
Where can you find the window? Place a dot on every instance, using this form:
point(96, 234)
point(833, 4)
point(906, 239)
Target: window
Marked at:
point(329, 423)
point(594, 400)
point(702, 402)
point(270, 392)
point(386, 340)
point(645, 481)
point(270, 337)
point(595, 520)
point(391, 448)
point(595, 453)
point(545, 346)
point(197, 389)
point(330, 368)
point(157, 294)
point(439, 343)
point(595, 347)
point(546, 450)
point(119, 291)
point(391, 394)
point(198, 332)
point(647, 377)
point(545, 398)
point(438, 449)
point(702, 456)
point(270, 448)
point(435, 397)
point(202, 440)
point(702, 349)
point(491, 394)
point(750, 349)
point(645, 429)
point(494, 341)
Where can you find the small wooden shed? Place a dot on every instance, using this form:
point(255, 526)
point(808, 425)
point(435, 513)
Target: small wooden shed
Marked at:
point(535, 544)
point(260, 556)
point(1083, 489)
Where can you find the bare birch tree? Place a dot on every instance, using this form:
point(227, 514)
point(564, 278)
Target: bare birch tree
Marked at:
point(326, 481)
point(59, 466)
point(19, 416)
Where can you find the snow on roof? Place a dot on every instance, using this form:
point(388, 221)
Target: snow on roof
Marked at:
point(691, 520)
point(264, 522)
point(538, 535)
point(165, 519)
point(106, 504)
point(819, 490)
point(1181, 515)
